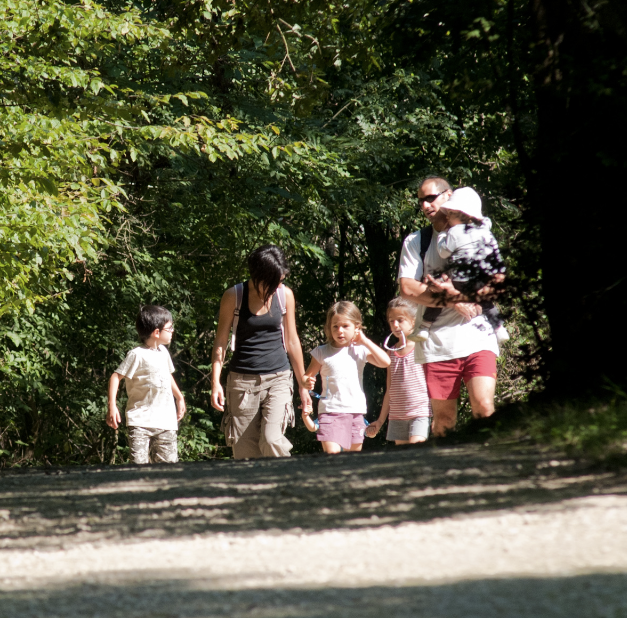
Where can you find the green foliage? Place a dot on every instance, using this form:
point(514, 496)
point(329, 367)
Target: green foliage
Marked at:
point(78, 107)
point(149, 147)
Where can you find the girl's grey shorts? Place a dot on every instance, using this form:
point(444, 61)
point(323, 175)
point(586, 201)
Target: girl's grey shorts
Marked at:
point(403, 430)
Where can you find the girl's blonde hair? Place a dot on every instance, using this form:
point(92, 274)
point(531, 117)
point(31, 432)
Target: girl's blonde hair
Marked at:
point(408, 308)
point(344, 308)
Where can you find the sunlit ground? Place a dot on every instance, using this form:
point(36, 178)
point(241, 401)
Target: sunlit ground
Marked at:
point(464, 531)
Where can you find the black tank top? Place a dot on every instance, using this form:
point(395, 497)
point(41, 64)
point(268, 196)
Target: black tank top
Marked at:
point(258, 340)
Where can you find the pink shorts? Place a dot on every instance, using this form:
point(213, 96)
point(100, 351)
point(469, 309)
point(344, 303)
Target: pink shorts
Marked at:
point(343, 429)
point(444, 378)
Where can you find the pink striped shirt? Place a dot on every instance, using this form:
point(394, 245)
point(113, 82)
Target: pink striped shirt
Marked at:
point(408, 388)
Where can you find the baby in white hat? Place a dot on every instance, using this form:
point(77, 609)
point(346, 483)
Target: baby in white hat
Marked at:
point(473, 257)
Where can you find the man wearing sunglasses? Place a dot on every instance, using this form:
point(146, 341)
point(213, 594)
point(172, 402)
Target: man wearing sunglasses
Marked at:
point(461, 344)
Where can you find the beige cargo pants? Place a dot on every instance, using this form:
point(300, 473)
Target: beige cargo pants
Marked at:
point(258, 411)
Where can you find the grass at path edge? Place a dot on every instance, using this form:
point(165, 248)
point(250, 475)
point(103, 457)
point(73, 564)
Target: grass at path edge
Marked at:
point(594, 429)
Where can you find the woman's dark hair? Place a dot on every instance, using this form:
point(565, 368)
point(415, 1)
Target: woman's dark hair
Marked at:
point(267, 266)
point(151, 318)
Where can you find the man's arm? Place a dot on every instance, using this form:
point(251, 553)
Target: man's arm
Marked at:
point(415, 291)
point(493, 289)
point(411, 270)
point(444, 288)
point(443, 295)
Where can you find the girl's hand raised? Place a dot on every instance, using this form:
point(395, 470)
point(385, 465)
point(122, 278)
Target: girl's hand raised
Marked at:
point(376, 356)
point(360, 337)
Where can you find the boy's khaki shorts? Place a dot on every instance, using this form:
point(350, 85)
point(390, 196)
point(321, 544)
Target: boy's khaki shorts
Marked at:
point(149, 445)
point(258, 411)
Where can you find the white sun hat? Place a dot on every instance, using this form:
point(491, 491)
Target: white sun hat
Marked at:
point(465, 200)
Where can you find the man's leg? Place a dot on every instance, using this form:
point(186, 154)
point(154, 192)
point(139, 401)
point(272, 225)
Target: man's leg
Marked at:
point(481, 394)
point(444, 381)
point(444, 416)
point(480, 378)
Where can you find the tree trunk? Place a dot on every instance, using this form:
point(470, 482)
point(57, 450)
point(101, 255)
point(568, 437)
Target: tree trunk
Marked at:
point(380, 253)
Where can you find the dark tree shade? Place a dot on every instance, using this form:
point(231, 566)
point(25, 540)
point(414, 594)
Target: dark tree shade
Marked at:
point(577, 195)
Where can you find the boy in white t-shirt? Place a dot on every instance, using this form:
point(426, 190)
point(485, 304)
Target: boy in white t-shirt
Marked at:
point(151, 414)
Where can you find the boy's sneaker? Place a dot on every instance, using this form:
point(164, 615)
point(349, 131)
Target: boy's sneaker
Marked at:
point(420, 336)
point(501, 334)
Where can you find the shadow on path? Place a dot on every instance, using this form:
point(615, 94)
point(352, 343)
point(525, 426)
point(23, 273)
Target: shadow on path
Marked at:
point(73, 505)
point(585, 596)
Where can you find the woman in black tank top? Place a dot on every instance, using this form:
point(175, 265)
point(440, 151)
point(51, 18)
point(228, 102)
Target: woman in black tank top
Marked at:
point(259, 389)
point(259, 348)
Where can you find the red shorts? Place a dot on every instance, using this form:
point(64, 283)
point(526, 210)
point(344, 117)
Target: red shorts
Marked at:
point(444, 378)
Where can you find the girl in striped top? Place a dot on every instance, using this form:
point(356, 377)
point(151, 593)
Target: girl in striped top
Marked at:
point(406, 400)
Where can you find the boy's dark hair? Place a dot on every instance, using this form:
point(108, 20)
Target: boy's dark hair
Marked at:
point(151, 318)
point(267, 266)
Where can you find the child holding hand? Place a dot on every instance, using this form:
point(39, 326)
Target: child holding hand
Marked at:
point(341, 364)
point(406, 400)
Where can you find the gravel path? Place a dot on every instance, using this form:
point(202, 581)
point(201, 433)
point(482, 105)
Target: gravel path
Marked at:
point(434, 532)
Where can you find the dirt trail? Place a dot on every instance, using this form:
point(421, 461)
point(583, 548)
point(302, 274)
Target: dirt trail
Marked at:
point(437, 532)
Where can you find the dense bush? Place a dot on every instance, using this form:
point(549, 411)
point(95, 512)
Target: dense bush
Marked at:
point(148, 147)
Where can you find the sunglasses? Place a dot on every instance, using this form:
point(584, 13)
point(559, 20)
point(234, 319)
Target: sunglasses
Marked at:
point(430, 198)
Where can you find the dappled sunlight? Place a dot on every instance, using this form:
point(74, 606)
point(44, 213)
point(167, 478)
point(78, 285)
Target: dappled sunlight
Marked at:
point(77, 505)
point(435, 532)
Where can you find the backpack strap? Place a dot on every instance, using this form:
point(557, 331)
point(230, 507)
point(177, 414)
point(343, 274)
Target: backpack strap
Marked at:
point(239, 295)
point(280, 296)
point(426, 234)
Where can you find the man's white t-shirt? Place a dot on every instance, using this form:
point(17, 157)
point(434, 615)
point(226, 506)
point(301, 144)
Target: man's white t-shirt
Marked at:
point(450, 335)
point(342, 375)
point(149, 388)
